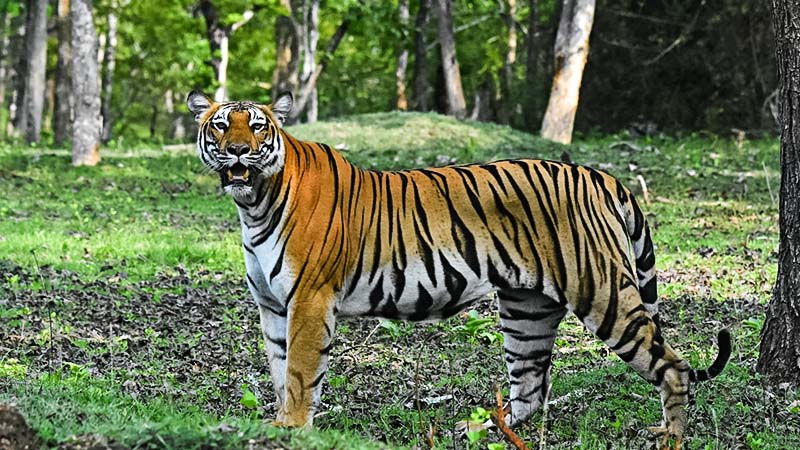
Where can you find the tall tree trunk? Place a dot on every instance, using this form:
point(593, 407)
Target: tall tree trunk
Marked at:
point(108, 75)
point(287, 43)
point(21, 69)
point(36, 56)
point(456, 105)
point(87, 124)
point(507, 74)
point(310, 40)
point(532, 62)
point(779, 357)
point(218, 41)
point(571, 51)
point(215, 34)
point(16, 72)
point(62, 116)
point(422, 87)
point(402, 56)
point(5, 25)
point(305, 92)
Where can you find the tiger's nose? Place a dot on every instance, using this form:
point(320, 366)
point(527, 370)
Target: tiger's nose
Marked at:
point(237, 149)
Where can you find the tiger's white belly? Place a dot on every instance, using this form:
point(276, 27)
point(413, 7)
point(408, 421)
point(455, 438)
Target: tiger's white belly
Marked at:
point(410, 293)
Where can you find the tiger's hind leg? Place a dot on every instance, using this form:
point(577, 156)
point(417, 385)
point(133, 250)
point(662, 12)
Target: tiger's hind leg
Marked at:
point(624, 323)
point(529, 322)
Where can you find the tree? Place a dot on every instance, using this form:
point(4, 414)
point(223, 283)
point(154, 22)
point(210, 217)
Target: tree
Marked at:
point(5, 24)
point(509, 13)
point(779, 357)
point(402, 57)
point(16, 71)
point(422, 87)
point(286, 76)
point(87, 124)
point(219, 41)
point(108, 74)
point(571, 50)
point(62, 115)
point(310, 24)
point(456, 105)
point(32, 103)
point(310, 85)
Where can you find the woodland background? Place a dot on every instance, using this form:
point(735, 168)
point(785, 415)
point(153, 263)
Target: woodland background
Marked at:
point(653, 65)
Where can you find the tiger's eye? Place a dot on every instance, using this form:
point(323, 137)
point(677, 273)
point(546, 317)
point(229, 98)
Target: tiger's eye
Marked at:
point(221, 126)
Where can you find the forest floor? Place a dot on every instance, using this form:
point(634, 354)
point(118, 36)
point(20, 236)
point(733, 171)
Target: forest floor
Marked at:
point(125, 321)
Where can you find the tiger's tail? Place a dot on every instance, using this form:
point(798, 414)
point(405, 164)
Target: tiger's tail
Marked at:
point(639, 233)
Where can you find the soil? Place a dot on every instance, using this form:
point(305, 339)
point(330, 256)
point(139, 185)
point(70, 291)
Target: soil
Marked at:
point(197, 338)
point(15, 434)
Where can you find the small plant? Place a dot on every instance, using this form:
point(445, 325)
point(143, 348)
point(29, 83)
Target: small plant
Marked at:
point(248, 399)
point(480, 329)
point(476, 428)
point(395, 328)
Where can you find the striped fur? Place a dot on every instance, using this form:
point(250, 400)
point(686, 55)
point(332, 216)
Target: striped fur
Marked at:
point(323, 238)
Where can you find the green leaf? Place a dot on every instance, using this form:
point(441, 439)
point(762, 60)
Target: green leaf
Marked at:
point(249, 399)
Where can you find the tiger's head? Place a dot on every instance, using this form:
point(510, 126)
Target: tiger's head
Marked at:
point(241, 141)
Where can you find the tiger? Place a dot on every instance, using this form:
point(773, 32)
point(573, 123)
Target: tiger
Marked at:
point(323, 239)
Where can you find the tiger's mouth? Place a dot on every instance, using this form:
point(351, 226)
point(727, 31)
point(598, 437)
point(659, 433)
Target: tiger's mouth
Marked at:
point(237, 175)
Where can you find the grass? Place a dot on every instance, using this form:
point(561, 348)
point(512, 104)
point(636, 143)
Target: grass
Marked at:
point(154, 342)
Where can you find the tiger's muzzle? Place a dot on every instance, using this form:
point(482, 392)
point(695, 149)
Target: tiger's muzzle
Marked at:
point(237, 172)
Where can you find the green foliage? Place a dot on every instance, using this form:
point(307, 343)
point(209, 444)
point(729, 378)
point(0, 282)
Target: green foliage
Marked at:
point(248, 399)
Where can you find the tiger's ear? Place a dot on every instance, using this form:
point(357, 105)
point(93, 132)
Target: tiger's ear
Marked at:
point(198, 104)
point(282, 106)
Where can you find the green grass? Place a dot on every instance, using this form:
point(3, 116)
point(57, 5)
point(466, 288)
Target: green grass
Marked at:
point(122, 230)
point(73, 403)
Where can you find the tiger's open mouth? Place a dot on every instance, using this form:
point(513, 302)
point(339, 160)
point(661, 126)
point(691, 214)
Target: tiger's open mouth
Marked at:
point(237, 175)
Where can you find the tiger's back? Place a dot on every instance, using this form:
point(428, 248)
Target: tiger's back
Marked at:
point(424, 243)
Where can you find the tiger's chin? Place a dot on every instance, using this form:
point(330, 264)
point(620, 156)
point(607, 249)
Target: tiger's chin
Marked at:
point(241, 192)
point(237, 181)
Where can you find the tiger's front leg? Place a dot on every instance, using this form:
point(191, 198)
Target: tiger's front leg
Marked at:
point(273, 327)
point(311, 323)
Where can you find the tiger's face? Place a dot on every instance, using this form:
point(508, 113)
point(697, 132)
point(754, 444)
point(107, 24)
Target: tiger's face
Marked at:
point(241, 141)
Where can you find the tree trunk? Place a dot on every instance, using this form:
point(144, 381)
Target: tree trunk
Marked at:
point(779, 357)
point(87, 124)
point(456, 105)
point(178, 131)
point(310, 39)
point(62, 116)
point(532, 61)
point(5, 25)
point(108, 76)
point(507, 74)
point(571, 51)
point(16, 72)
point(153, 121)
point(305, 93)
point(21, 69)
point(36, 56)
point(422, 87)
point(287, 43)
point(216, 34)
point(402, 57)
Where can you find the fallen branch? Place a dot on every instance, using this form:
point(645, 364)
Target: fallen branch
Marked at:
point(499, 419)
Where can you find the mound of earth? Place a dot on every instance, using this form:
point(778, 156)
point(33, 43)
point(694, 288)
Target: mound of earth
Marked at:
point(15, 434)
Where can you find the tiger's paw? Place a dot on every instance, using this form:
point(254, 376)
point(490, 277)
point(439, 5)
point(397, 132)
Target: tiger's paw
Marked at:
point(666, 433)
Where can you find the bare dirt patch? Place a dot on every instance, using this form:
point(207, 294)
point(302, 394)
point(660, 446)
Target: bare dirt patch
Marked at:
point(15, 434)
